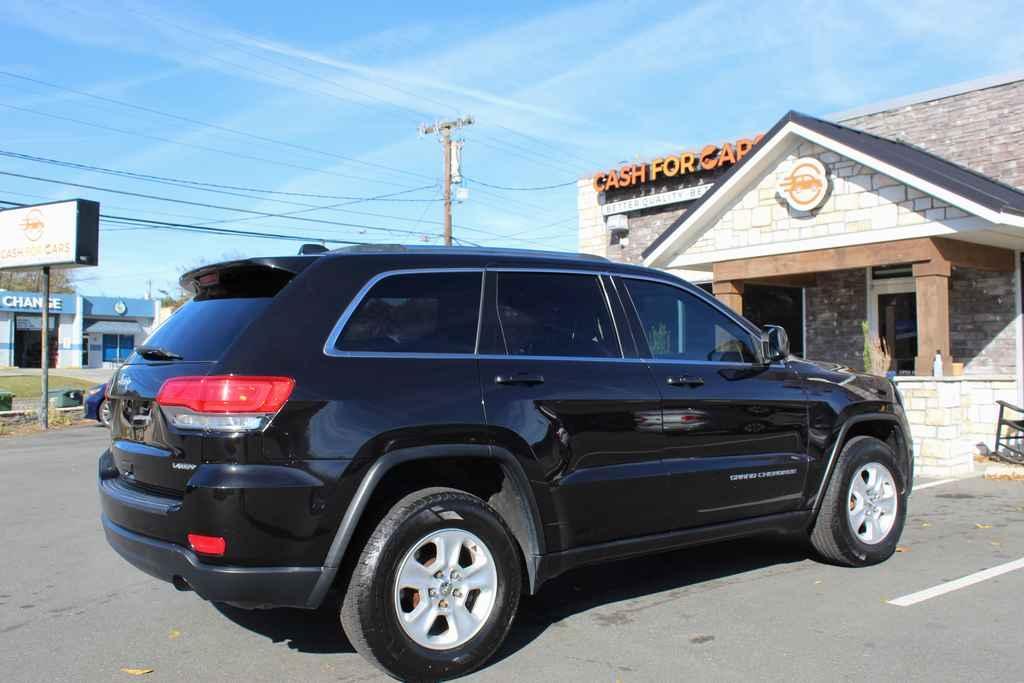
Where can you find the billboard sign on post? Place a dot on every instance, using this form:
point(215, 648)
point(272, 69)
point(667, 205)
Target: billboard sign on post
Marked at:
point(64, 234)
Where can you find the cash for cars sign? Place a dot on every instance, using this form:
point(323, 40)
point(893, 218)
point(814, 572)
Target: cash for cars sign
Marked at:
point(64, 234)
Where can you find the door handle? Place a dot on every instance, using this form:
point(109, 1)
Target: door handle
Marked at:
point(689, 381)
point(520, 378)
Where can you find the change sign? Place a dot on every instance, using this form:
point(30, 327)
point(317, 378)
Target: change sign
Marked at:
point(62, 234)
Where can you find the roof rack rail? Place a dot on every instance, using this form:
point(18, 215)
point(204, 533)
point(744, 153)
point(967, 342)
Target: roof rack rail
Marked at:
point(496, 251)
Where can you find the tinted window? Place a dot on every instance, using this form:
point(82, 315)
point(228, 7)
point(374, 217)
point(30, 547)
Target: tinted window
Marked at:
point(203, 330)
point(678, 325)
point(554, 314)
point(416, 313)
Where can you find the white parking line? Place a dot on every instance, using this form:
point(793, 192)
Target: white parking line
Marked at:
point(930, 484)
point(957, 584)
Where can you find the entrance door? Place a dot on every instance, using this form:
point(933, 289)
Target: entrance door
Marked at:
point(897, 325)
point(28, 343)
point(892, 314)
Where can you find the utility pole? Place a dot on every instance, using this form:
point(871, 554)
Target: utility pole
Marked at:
point(443, 129)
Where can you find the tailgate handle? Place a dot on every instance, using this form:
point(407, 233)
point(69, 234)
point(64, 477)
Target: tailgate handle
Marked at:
point(688, 381)
point(520, 378)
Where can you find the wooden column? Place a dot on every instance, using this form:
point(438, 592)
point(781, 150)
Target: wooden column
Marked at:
point(931, 279)
point(730, 293)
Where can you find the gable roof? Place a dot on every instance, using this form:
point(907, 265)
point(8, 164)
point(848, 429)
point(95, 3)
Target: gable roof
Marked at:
point(960, 186)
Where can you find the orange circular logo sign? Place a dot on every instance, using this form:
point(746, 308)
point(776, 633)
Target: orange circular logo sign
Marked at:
point(806, 184)
point(33, 225)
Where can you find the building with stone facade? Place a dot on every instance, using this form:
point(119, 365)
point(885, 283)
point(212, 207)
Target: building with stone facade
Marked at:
point(906, 218)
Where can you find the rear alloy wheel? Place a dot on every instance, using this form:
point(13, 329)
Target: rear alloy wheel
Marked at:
point(864, 508)
point(445, 589)
point(436, 587)
point(104, 413)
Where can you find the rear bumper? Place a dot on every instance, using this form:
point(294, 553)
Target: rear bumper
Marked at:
point(251, 587)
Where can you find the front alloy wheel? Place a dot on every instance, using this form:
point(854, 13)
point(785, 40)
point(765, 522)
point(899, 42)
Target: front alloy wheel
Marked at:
point(873, 503)
point(864, 507)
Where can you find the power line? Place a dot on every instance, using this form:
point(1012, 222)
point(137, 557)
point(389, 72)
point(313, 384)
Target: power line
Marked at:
point(263, 214)
point(547, 145)
point(548, 160)
point(390, 197)
point(204, 148)
point(148, 224)
point(254, 213)
point(506, 148)
point(521, 189)
point(504, 208)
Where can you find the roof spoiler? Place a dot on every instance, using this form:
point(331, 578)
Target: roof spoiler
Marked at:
point(245, 277)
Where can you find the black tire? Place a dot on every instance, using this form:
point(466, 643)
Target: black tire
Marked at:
point(368, 613)
point(832, 535)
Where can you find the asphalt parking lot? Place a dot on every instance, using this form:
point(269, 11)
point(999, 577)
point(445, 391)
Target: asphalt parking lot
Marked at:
point(70, 609)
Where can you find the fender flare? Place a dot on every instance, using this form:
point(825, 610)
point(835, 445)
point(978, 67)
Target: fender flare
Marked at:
point(388, 461)
point(841, 440)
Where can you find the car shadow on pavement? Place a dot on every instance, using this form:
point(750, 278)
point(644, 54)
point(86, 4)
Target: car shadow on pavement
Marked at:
point(667, 575)
point(313, 631)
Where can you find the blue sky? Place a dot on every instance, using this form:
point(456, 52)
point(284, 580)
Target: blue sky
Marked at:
point(325, 99)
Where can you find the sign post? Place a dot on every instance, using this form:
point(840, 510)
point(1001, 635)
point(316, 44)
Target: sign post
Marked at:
point(44, 408)
point(64, 234)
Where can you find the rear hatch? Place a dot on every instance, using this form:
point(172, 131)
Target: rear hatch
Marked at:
point(148, 450)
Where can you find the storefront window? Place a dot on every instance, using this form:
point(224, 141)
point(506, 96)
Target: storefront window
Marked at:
point(117, 347)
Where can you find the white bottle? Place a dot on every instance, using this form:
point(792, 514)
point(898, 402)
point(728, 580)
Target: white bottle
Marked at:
point(937, 365)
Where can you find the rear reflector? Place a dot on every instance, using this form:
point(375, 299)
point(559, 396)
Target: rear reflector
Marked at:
point(227, 394)
point(207, 545)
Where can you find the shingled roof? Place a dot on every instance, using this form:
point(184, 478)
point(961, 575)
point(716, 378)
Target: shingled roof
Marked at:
point(932, 170)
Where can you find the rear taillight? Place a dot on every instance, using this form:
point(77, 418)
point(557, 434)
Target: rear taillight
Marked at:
point(223, 402)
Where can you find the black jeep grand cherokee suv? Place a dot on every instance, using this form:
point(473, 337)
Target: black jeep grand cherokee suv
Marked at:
point(435, 431)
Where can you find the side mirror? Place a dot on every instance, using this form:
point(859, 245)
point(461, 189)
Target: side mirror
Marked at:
point(775, 342)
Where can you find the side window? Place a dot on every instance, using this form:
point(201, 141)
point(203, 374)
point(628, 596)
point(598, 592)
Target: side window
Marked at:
point(679, 326)
point(416, 313)
point(554, 314)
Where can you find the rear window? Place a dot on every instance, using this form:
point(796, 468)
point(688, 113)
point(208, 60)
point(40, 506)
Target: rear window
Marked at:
point(416, 313)
point(203, 330)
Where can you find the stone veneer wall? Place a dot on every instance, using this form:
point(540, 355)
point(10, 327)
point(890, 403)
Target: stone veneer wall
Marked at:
point(981, 129)
point(644, 227)
point(835, 308)
point(860, 200)
point(952, 418)
point(982, 313)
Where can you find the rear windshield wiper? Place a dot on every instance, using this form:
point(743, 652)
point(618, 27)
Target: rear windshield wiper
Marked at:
point(157, 353)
